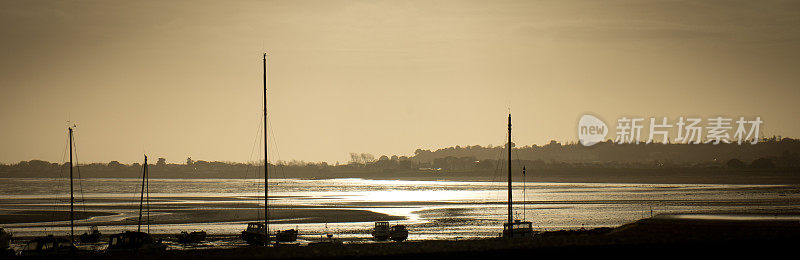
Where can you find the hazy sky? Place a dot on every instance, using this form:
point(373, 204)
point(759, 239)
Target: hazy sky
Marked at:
point(175, 79)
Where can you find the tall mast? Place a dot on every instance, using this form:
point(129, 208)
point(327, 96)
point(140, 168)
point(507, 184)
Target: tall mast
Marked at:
point(141, 198)
point(71, 196)
point(510, 203)
point(147, 190)
point(266, 164)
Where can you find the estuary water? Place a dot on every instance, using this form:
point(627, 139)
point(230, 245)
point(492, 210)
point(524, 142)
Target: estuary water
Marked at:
point(348, 208)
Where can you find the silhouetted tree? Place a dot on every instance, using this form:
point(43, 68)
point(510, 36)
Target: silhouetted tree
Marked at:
point(161, 162)
point(735, 163)
point(114, 164)
point(355, 158)
point(367, 157)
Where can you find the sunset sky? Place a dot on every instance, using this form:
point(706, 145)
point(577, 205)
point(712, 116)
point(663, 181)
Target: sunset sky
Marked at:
point(176, 79)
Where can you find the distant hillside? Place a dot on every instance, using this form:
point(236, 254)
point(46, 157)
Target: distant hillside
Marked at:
point(784, 153)
point(770, 161)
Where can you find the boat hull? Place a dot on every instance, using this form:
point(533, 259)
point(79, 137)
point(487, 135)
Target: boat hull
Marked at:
point(193, 237)
point(49, 246)
point(89, 238)
point(286, 236)
point(398, 233)
point(5, 239)
point(518, 229)
point(253, 238)
point(134, 242)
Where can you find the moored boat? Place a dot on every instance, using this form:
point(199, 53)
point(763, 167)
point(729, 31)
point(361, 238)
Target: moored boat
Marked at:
point(514, 228)
point(255, 234)
point(518, 229)
point(137, 241)
point(49, 246)
point(5, 238)
point(191, 237)
point(56, 246)
point(258, 233)
point(134, 242)
point(398, 233)
point(92, 236)
point(5, 243)
point(289, 235)
point(381, 231)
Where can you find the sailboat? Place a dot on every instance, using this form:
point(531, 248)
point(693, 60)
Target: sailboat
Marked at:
point(514, 228)
point(5, 239)
point(5, 243)
point(51, 245)
point(92, 236)
point(137, 241)
point(186, 237)
point(257, 233)
point(382, 231)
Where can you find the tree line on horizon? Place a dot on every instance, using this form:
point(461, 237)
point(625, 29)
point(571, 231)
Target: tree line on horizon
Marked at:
point(781, 153)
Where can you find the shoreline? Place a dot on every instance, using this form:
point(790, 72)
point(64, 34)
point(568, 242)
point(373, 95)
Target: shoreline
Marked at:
point(42, 218)
point(794, 179)
point(552, 175)
point(649, 235)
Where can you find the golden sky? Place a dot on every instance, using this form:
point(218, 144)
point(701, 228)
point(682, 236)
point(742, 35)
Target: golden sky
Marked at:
point(183, 78)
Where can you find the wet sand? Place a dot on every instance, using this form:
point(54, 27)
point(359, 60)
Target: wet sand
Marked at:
point(185, 216)
point(659, 236)
point(459, 210)
point(32, 216)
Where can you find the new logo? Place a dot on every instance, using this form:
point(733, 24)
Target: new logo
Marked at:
point(591, 130)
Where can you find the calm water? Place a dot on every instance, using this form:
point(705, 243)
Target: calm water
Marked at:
point(432, 209)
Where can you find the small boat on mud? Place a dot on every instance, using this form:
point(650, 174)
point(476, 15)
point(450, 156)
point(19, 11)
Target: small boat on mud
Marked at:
point(134, 242)
point(137, 241)
point(92, 236)
point(517, 229)
point(5, 243)
point(514, 228)
point(193, 237)
point(383, 231)
point(257, 233)
point(398, 233)
point(57, 246)
point(49, 246)
point(5, 238)
point(289, 235)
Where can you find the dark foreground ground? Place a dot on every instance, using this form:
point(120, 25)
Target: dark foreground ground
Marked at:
point(649, 238)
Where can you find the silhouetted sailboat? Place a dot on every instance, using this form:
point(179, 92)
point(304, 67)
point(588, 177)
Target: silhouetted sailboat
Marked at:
point(137, 241)
point(191, 237)
point(514, 228)
point(257, 233)
point(51, 245)
point(92, 236)
point(5, 243)
point(382, 231)
point(398, 233)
